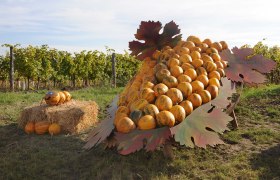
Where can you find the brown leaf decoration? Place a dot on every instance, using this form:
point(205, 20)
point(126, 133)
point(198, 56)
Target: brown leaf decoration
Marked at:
point(153, 40)
point(104, 129)
point(138, 139)
point(200, 128)
point(225, 92)
point(244, 69)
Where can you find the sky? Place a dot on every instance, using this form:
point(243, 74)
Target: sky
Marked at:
point(76, 25)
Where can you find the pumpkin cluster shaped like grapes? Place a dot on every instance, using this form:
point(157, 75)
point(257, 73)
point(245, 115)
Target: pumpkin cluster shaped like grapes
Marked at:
point(171, 84)
point(56, 98)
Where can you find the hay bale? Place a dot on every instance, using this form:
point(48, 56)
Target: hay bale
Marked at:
point(74, 116)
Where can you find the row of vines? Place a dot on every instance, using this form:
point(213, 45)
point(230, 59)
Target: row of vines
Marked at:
point(37, 67)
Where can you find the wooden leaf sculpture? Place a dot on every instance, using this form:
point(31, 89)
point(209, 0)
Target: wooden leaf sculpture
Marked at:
point(225, 92)
point(200, 128)
point(244, 69)
point(104, 129)
point(138, 139)
point(149, 32)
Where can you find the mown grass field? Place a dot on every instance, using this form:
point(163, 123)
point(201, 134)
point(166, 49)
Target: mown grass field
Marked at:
point(251, 152)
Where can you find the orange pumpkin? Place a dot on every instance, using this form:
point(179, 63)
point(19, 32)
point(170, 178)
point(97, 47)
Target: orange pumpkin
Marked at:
point(151, 109)
point(54, 129)
point(214, 81)
point(173, 62)
point(197, 86)
point(175, 95)
point(29, 127)
point(214, 91)
point(178, 112)
point(67, 96)
point(210, 66)
point(136, 115)
point(195, 55)
point(204, 79)
point(118, 116)
point(186, 66)
point(207, 41)
point(62, 97)
point(189, 44)
point(161, 74)
point(125, 125)
point(221, 72)
point(122, 109)
point(205, 96)
point(197, 63)
point(185, 88)
point(206, 58)
point(184, 78)
point(159, 67)
point(147, 84)
point(176, 71)
point(163, 102)
point(191, 73)
point(224, 45)
point(214, 74)
point(160, 89)
point(219, 64)
point(147, 122)
point(170, 81)
point(52, 98)
point(183, 50)
point(216, 57)
point(211, 50)
point(165, 118)
point(200, 71)
point(185, 58)
point(187, 105)
point(148, 94)
point(195, 100)
point(138, 104)
point(41, 127)
point(217, 46)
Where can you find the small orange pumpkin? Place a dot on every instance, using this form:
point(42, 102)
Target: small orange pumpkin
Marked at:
point(178, 112)
point(165, 118)
point(125, 125)
point(147, 122)
point(29, 127)
point(41, 127)
point(54, 129)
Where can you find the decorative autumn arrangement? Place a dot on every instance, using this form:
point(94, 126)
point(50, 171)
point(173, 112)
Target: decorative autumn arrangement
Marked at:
point(182, 91)
point(56, 98)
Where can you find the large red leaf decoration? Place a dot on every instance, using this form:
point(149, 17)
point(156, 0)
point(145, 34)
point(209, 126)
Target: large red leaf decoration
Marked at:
point(104, 129)
point(138, 139)
point(225, 92)
point(149, 33)
point(200, 128)
point(246, 67)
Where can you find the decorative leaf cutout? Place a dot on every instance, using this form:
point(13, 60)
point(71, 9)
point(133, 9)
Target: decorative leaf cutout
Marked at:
point(149, 32)
point(225, 92)
point(193, 130)
point(104, 129)
point(138, 139)
point(244, 69)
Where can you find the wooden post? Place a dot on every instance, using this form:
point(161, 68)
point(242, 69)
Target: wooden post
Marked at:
point(12, 88)
point(114, 70)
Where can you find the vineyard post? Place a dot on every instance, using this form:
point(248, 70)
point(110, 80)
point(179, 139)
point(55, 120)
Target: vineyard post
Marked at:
point(11, 69)
point(114, 70)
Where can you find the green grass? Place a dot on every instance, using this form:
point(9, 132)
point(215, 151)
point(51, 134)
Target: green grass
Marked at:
point(251, 152)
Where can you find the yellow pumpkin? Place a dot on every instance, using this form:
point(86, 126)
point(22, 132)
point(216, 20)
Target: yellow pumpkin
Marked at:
point(62, 97)
point(187, 105)
point(67, 96)
point(160, 89)
point(125, 125)
point(165, 118)
point(163, 102)
point(54, 129)
point(185, 88)
point(178, 112)
point(147, 122)
point(175, 95)
point(41, 127)
point(148, 94)
point(29, 127)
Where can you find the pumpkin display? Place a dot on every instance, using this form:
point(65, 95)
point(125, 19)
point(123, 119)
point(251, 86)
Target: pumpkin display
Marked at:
point(171, 83)
point(29, 128)
point(42, 127)
point(54, 129)
point(62, 97)
point(67, 96)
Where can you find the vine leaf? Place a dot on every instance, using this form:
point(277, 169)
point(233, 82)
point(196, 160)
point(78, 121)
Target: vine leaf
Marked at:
point(200, 128)
point(246, 67)
point(149, 33)
point(104, 129)
point(138, 139)
point(225, 92)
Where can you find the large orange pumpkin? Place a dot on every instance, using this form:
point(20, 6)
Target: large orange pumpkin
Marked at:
point(125, 125)
point(165, 118)
point(163, 102)
point(29, 127)
point(147, 122)
point(41, 127)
